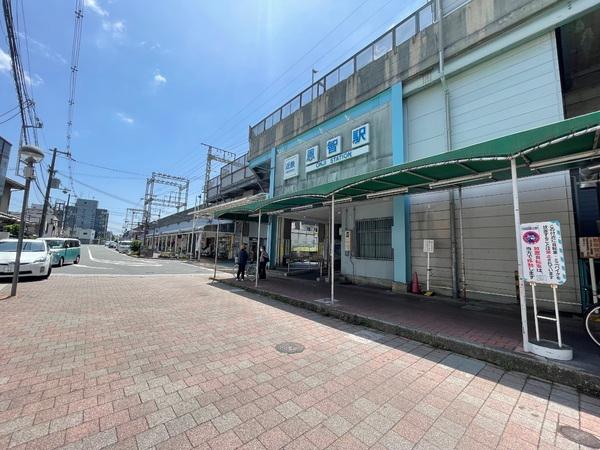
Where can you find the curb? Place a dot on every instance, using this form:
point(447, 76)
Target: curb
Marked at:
point(583, 381)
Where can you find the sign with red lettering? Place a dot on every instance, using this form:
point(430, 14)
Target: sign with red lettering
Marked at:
point(542, 253)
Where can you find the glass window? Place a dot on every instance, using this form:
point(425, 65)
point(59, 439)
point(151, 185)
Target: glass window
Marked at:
point(346, 70)
point(332, 79)
point(268, 122)
point(11, 246)
point(374, 238)
point(406, 30)
point(364, 57)
point(425, 17)
point(55, 243)
point(382, 46)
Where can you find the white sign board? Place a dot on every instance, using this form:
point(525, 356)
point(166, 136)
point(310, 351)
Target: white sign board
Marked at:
point(338, 158)
point(334, 146)
point(312, 155)
point(542, 253)
point(427, 245)
point(360, 136)
point(290, 167)
point(347, 240)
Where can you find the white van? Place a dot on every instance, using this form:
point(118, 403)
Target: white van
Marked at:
point(124, 246)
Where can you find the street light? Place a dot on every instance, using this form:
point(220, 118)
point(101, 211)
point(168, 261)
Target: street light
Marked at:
point(64, 217)
point(29, 155)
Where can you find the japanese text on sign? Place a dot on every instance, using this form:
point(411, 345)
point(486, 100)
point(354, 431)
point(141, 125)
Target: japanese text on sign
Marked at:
point(542, 253)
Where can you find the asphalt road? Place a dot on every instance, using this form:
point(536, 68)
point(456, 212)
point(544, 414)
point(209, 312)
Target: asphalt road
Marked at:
point(101, 260)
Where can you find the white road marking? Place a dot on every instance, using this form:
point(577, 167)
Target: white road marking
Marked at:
point(90, 267)
point(120, 275)
point(123, 263)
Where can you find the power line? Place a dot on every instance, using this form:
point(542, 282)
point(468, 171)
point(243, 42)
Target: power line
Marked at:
point(108, 194)
point(301, 73)
point(75, 48)
point(14, 108)
point(10, 118)
point(112, 169)
point(285, 72)
point(29, 119)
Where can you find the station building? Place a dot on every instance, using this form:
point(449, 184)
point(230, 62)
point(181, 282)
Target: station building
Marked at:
point(453, 74)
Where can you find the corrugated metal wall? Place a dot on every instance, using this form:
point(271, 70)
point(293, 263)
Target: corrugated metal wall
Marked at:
point(517, 91)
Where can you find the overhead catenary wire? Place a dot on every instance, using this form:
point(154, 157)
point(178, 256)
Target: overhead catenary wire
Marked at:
point(108, 194)
point(75, 50)
point(282, 75)
point(302, 72)
point(289, 69)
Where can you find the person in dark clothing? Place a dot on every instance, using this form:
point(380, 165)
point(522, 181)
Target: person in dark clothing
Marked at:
point(263, 259)
point(242, 261)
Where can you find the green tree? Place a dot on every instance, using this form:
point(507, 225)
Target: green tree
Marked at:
point(135, 247)
point(13, 229)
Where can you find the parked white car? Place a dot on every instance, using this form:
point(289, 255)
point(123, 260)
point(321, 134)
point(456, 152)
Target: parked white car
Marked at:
point(124, 246)
point(36, 259)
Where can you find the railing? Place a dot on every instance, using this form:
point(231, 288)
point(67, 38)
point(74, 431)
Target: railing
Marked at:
point(409, 27)
point(230, 174)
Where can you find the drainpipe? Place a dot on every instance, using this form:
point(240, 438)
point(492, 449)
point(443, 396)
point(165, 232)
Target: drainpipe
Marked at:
point(446, 92)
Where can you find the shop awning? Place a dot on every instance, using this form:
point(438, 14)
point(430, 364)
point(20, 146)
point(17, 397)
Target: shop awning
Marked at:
point(220, 209)
point(549, 148)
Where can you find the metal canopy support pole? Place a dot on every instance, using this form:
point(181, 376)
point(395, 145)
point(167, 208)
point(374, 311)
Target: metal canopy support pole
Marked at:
point(522, 292)
point(332, 248)
point(462, 245)
point(216, 249)
point(258, 248)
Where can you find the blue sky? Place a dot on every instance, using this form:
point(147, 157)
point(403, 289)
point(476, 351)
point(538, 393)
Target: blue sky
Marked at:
point(158, 78)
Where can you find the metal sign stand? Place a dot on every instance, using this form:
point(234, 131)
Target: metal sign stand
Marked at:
point(593, 279)
point(428, 246)
point(544, 347)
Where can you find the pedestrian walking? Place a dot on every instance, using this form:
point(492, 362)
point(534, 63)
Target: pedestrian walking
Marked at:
point(242, 261)
point(263, 259)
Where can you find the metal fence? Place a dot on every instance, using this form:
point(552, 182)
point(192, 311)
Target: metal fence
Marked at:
point(409, 27)
point(231, 174)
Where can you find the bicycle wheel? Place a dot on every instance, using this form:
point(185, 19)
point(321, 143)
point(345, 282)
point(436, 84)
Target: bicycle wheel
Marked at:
point(592, 323)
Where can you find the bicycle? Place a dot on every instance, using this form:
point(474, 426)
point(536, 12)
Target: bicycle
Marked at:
point(592, 322)
point(250, 271)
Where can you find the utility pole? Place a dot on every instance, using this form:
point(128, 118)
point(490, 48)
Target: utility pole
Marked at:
point(51, 173)
point(64, 217)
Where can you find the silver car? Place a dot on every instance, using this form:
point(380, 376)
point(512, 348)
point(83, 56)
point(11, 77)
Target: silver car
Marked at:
point(36, 259)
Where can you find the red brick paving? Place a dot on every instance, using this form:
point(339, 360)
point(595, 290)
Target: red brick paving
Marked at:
point(482, 323)
point(174, 363)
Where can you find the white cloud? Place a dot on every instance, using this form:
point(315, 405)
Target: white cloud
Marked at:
point(34, 80)
point(125, 118)
point(116, 28)
point(5, 62)
point(6, 67)
point(94, 6)
point(43, 49)
point(159, 79)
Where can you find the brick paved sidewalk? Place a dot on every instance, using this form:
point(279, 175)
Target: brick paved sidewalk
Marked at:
point(172, 362)
point(497, 326)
